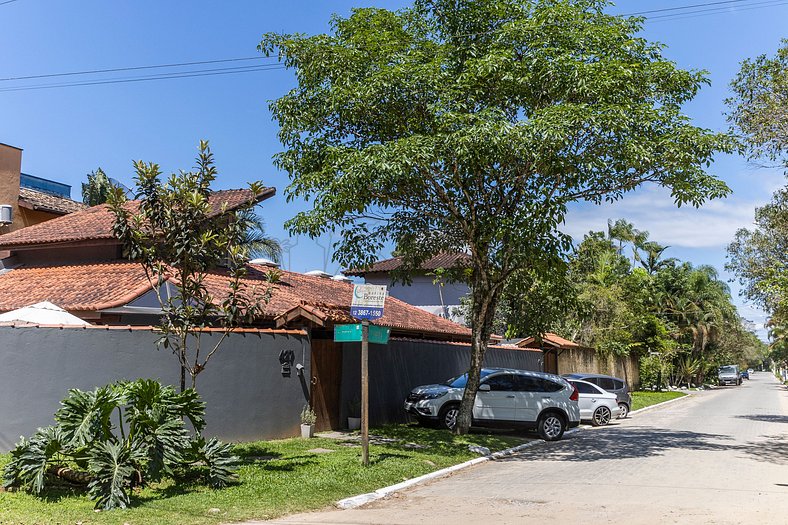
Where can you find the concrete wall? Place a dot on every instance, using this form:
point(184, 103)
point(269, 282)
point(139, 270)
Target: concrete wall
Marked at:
point(395, 369)
point(588, 361)
point(247, 397)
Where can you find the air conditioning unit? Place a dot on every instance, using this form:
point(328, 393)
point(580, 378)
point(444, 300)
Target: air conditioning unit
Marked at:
point(6, 214)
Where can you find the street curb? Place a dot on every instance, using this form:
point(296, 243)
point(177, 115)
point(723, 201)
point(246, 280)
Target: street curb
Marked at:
point(369, 497)
point(686, 395)
point(362, 499)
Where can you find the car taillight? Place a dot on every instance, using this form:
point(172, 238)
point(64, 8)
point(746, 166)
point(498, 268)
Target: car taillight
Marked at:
point(575, 394)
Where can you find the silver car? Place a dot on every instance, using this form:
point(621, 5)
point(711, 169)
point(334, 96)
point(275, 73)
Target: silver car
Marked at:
point(610, 384)
point(596, 405)
point(506, 398)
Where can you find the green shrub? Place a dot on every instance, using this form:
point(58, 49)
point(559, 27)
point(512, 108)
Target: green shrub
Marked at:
point(120, 436)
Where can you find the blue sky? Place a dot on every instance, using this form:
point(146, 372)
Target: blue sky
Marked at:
point(68, 132)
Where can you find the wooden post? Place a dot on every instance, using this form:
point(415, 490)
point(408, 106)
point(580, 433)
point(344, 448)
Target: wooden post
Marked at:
point(365, 392)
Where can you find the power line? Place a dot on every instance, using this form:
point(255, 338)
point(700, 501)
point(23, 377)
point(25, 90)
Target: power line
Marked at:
point(715, 10)
point(162, 76)
point(7, 2)
point(133, 68)
point(681, 7)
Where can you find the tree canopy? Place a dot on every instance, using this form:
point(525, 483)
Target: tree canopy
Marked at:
point(472, 126)
point(759, 105)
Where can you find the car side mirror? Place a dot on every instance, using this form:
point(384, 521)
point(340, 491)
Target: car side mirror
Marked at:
point(484, 387)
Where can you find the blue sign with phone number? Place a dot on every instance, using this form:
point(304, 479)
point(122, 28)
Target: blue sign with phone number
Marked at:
point(366, 312)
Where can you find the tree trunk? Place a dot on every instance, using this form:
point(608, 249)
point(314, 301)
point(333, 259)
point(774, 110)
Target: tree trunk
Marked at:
point(484, 302)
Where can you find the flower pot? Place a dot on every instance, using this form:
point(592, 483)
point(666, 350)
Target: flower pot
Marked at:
point(353, 423)
point(307, 431)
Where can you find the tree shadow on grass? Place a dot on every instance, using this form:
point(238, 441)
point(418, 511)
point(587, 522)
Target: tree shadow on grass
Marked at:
point(255, 453)
point(289, 464)
point(623, 443)
point(57, 491)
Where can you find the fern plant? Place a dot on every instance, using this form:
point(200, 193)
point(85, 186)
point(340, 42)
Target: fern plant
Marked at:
point(121, 436)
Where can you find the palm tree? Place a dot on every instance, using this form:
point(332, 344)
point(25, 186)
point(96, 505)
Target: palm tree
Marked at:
point(256, 241)
point(97, 189)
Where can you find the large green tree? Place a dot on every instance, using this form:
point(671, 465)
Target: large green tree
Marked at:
point(471, 126)
point(759, 106)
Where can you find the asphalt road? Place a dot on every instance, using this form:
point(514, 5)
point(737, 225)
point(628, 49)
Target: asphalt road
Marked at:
point(719, 457)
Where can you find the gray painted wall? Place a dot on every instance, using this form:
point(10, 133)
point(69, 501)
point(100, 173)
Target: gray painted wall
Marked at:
point(395, 369)
point(421, 292)
point(247, 397)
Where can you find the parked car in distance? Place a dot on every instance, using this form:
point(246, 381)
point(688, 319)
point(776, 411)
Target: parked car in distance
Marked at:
point(728, 375)
point(610, 384)
point(506, 398)
point(596, 405)
point(745, 374)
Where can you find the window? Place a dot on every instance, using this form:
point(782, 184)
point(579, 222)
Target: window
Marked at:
point(593, 380)
point(618, 384)
point(529, 384)
point(550, 386)
point(606, 383)
point(501, 383)
point(584, 388)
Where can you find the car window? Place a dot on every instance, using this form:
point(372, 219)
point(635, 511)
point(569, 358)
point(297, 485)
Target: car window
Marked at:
point(501, 383)
point(461, 381)
point(618, 384)
point(584, 388)
point(593, 380)
point(528, 383)
point(605, 383)
point(550, 386)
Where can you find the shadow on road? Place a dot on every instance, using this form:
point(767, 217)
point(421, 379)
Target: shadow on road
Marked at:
point(623, 443)
point(766, 418)
point(773, 450)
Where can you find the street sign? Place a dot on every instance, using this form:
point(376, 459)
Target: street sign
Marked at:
point(351, 333)
point(368, 300)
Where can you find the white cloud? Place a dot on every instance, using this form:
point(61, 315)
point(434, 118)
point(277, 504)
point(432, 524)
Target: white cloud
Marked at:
point(652, 209)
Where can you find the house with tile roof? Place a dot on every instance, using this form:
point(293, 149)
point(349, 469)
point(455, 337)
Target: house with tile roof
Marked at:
point(75, 262)
point(28, 199)
point(425, 290)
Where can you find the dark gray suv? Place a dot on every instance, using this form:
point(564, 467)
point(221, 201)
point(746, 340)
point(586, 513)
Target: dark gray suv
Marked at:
point(611, 384)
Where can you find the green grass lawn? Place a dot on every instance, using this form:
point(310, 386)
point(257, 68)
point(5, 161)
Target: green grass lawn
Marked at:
point(644, 399)
point(277, 478)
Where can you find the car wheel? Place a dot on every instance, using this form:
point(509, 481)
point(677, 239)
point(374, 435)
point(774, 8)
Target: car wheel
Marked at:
point(624, 411)
point(448, 416)
point(601, 417)
point(551, 426)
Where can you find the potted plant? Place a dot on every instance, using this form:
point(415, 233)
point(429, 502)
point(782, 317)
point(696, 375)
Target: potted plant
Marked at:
point(308, 419)
point(354, 414)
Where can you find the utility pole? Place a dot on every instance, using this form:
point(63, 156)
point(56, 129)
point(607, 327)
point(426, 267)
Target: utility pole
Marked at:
point(365, 392)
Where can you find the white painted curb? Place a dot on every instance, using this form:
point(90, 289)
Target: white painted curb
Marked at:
point(369, 497)
point(363, 499)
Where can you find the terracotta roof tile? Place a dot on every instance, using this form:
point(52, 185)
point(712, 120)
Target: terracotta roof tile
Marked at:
point(96, 223)
point(550, 339)
point(90, 287)
point(442, 260)
point(40, 201)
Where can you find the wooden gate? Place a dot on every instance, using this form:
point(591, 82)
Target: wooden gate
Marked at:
point(551, 361)
point(326, 382)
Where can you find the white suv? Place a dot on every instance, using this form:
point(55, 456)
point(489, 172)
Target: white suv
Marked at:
point(506, 398)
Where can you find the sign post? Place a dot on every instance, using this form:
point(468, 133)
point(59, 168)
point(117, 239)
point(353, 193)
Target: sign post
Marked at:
point(368, 301)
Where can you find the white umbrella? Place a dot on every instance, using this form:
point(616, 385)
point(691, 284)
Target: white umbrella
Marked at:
point(43, 313)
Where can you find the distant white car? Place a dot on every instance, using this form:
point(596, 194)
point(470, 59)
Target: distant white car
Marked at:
point(596, 405)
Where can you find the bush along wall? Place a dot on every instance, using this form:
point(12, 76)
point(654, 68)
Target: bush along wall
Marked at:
point(119, 437)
